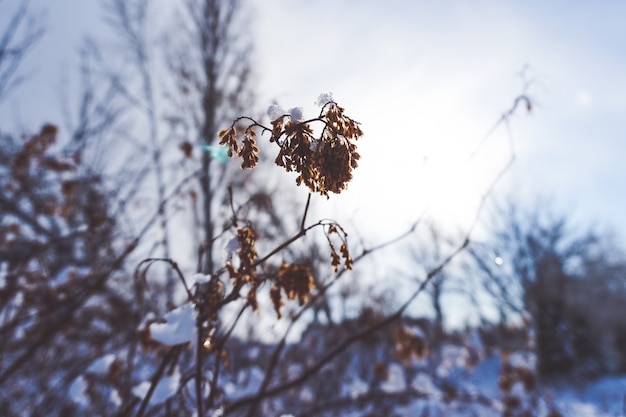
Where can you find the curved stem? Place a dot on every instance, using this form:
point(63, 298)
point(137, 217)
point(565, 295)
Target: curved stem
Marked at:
point(306, 210)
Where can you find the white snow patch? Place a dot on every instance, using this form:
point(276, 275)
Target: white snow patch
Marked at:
point(69, 273)
point(254, 352)
point(294, 370)
point(522, 360)
point(248, 383)
point(114, 398)
point(180, 326)
point(4, 270)
point(199, 279)
point(275, 111)
point(307, 395)
point(78, 391)
point(167, 387)
point(296, 114)
point(144, 323)
point(452, 358)
point(395, 379)
point(323, 99)
point(355, 387)
point(233, 245)
point(314, 144)
point(425, 408)
point(423, 383)
point(101, 365)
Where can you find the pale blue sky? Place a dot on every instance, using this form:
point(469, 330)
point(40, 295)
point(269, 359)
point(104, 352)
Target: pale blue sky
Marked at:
point(427, 79)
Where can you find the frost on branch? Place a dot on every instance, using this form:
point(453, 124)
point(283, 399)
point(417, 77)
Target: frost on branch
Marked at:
point(323, 161)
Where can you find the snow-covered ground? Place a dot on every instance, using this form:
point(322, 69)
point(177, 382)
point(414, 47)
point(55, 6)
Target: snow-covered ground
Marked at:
point(371, 378)
point(603, 397)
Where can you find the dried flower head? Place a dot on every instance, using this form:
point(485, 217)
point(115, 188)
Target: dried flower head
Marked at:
point(409, 344)
point(247, 253)
point(513, 373)
point(33, 153)
point(245, 271)
point(248, 151)
point(277, 301)
point(324, 163)
point(296, 281)
point(335, 229)
point(186, 148)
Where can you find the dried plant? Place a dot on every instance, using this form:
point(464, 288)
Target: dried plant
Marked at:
point(324, 162)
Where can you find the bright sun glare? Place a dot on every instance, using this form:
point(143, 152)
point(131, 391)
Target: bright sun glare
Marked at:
point(440, 176)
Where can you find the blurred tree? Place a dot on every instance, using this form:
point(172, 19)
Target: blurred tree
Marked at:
point(59, 252)
point(181, 77)
point(22, 31)
point(137, 83)
point(426, 253)
point(212, 82)
point(535, 262)
point(58, 258)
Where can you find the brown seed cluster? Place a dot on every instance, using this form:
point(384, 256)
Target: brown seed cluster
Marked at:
point(335, 257)
point(34, 167)
point(33, 153)
point(246, 271)
point(409, 344)
point(324, 163)
point(296, 281)
point(248, 151)
point(186, 148)
point(510, 375)
point(211, 294)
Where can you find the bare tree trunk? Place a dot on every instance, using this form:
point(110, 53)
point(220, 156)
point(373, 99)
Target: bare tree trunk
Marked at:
point(221, 58)
point(209, 104)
